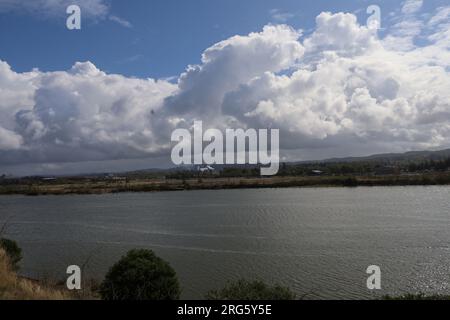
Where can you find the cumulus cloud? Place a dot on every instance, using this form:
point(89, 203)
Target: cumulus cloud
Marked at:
point(355, 91)
point(340, 88)
point(79, 115)
point(340, 33)
point(231, 63)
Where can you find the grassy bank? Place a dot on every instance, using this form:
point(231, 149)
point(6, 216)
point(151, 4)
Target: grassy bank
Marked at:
point(100, 186)
point(12, 287)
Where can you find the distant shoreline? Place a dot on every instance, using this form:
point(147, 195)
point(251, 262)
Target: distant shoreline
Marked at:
point(69, 186)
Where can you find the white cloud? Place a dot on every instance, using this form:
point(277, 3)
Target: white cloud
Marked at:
point(442, 15)
point(352, 90)
point(440, 26)
point(121, 21)
point(278, 15)
point(412, 6)
point(9, 140)
point(231, 63)
point(407, 27)
point(83, 114)
point(340, 33)
point(340, 89)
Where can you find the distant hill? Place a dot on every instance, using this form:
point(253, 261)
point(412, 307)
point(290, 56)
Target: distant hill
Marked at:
point(383, 159)
point(387, 157)
point(412, 156)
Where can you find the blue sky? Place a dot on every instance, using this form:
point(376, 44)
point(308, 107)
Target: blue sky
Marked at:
point(108, 96)
point(165, 35)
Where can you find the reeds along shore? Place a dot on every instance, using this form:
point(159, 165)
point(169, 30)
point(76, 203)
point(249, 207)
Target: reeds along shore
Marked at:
point(13, 287)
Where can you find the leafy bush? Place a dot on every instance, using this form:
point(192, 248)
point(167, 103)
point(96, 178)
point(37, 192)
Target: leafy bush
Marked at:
point(251, 290)
point(140, 275)
point(13, 251)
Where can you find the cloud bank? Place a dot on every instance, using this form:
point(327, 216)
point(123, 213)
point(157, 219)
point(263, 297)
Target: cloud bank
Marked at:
point(339, 88)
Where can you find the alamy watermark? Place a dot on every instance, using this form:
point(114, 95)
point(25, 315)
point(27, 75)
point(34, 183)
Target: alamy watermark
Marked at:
point(374, 20)
point(74, 280)
point(374, 280)
point(73, 21)
point(238, 146)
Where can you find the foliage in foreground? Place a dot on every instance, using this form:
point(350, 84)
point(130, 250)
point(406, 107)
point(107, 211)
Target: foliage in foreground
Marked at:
point(13, 251)
point(140, 275)
point(13, 287)
point(251, 290)
point(413, 297)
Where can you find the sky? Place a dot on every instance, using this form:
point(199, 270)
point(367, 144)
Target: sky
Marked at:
point(108, 96)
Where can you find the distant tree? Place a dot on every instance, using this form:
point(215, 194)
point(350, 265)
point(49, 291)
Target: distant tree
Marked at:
point(251, 290)
point(140, 275)
point(350, 182)
point(13, 251)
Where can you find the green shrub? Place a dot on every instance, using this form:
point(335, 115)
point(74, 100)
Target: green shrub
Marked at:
point(251, 290)
point(13, 251)
point(140, 275)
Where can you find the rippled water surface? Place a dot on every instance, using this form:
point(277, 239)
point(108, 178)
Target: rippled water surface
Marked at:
point(316, 241)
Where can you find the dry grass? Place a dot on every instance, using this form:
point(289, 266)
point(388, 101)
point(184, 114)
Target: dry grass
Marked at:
point(13, 287)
